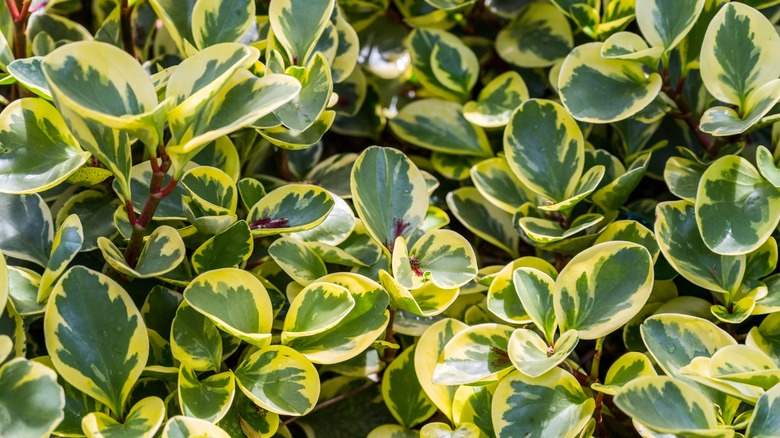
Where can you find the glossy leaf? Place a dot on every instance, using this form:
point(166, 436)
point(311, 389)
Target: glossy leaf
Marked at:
point(290, 208)
point(665, 23)
point(143, 421)
point(441, 256)
point(26, 228)
point(299, 261)
point(182, 427)
point(208, 399)
point(537, 37)
point(402, 392)
point(317, 308)
point(32, 400)
point(497, 100)
point(227, 249)
point(66, 244)
point(297, 24)
point(484, 219)
point(195, 340)
point(220, 22)
point(533, 357)
point(426, 354)
point(161, 253)
point(476, 354)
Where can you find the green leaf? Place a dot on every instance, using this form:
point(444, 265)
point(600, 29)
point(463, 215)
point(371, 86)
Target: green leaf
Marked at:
point(162, 252)
point(615, 193)
point(95, 210)
point(389, 193)
point(533, 357)
point(665, 23)
point(38, 150)
point(236, 301)
point(682, 176)
point(29, 72)
point(317, 308)
point(143, 421)
point(426, 300)
point(739, 54)
point(244, 415)
point(335, 229)
point(303, 110)
point(484, 219)
point(184, 427)
point(626, 368)
point(402, 392)
point(550, 405)
point(497, 100)
point(629, 46)
point(30, 398)
point(684, 409)
point(443, 257)
point(356, 331)
point(440, 125)
point(22, 291)
point(299, 261)
point(195, 340)
point(723, 121)
point(765, 420)
point(602, 288)
point(290, 208)
point(26, 228)
point(454, 65)
point(736, 209)
point(426, 354)
point(279, 379)
point(120, 96)
point(95, 335)
point(298, 24)
point(477, 354)
point(744, 364)
point(227, 249)
point(176, 16)
point(682, 245)
point(496, 181)
point(221, 22)
point(550, 158)
point(630, 231)
point(170, 207)
point(503, 299)
point(212, 187)
point(538, 36)
point(534, 289)
point(208, 399)
point(66, 244)
point(598, 90)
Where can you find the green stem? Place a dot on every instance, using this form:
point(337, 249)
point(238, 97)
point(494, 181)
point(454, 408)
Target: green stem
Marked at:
point(594, 367)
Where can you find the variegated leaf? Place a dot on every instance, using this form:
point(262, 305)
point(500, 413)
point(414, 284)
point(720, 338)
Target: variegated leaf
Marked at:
point(477, 354)
point(497, 100)
point(227, 249)
point(220, 22)
point(665, 23)
point(290, 208)
point(195, 340)
point(626, 368)
point(31, 399)
point(26, 228)
point(66, 244)
point(531, 355)
point(534, 288)
point(298, 260)
point(443, 257)
point(538, 36)
point(143, 421)
point(402, 392)
point(236, 301)
point(162, 252)
point(765, 420)
point(298, 24)
point(180, 426)
point(317, 308)
point(208, 399)
point(304, 109)
point(105, 356)
point(426, 354)
point(484, 219)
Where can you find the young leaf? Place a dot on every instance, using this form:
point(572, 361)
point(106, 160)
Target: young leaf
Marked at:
point(533, 357)
point(143, 421)
point(317, 308)
point(290, 208)
point(26, 228)
point(220, 22)
point(67, 243)
point(298, 24)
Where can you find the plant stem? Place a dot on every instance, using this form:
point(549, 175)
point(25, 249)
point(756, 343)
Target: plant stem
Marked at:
point(389, 354)
point(594, 367)
point(597, 415)
point(19, 17)
point(156, 194)
point(675, 93)
point(127, 28)
point(334, 400)
point(283, 163)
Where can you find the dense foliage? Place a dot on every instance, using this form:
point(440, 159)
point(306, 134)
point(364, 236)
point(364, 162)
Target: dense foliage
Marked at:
point(389, 218)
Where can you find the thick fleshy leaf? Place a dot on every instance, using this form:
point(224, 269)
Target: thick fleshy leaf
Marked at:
point(389, 193)
point(176, 16)
point(356, 331)
point(423, 44)
point(303, 110)
point(739, 54)
point(666, 22)
point(298, 24)
point(599, 90)
point(454, 65)
point(279, 379)
point(484, 219)
point(220, 22)
point(121, 94)
point(603, 287)
point(496, 181)
point(212, 187)
point(185, 427)
point(236, 301)
point(497, 100)
point(30, 398)
point(244, 417)
point(628, 367)
point(535, 289)
point(744, 364)
point(227, 249)
point(442, 430)
point(631, 231)
point(685, 409)
point(317, 308)
point(243, 99)
point(402, 392)
point(299, 261)
point(426, 355)
point(293, 207)
point(629, 46)
point(95, 210)
point(443, 257)
point(439, 125)
point(96, 336)
point(67, 243)
point(675, 340)
point(550, 158)
point(22, 290)
point(335, 229)
point(503, 299)
point(615, 193)
point(533, 357)
point(426, 300)
point(765, 420)
point(208, 399)
point(26, 228)
point(736, 209)
point(29, 72)
point(477, 354)
point(473, 404)
point(538, 36)
point(195, 340)
point(38, 150)
point(162, 252)
point(678, 236)
point(143, 421)
point(722, 121)
point(550, 405)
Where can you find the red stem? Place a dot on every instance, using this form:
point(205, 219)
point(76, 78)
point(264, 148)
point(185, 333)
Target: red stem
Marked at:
point(675, 93)
point(13, 9)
